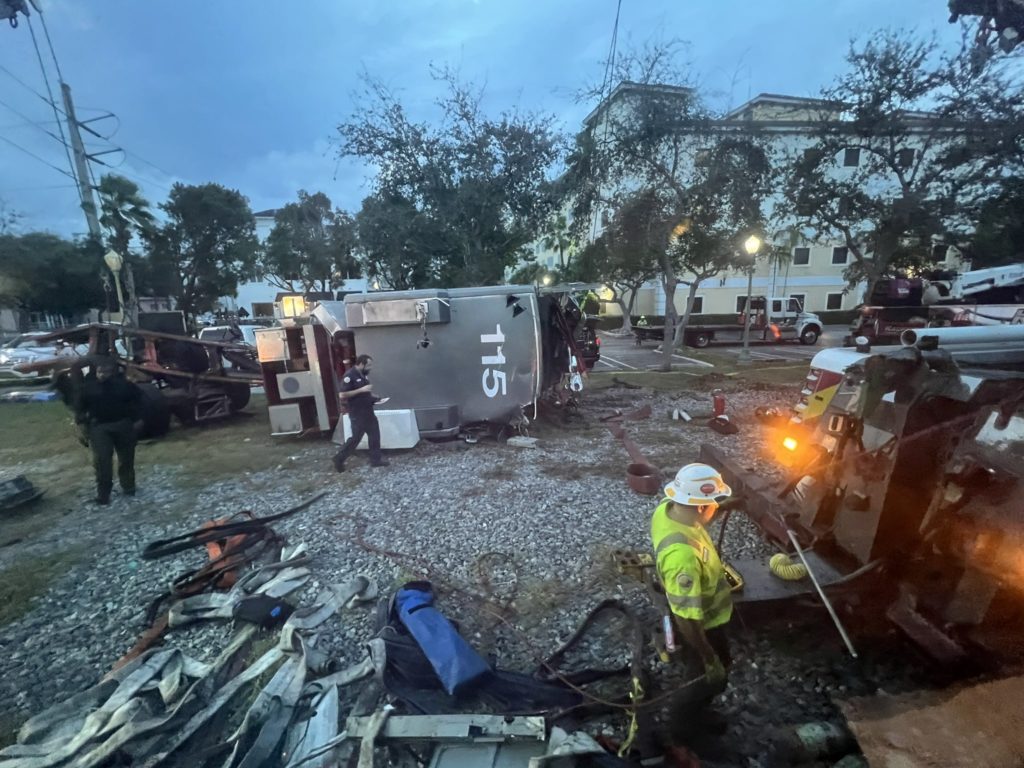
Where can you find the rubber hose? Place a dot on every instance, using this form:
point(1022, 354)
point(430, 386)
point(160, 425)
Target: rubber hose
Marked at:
point(780, 565)
point(721, 534)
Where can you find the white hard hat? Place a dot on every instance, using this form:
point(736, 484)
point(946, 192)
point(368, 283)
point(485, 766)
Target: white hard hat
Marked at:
point(697, 484)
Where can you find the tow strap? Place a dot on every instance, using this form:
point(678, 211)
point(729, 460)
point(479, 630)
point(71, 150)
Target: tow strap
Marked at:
point(231, 546)
point(175, 544)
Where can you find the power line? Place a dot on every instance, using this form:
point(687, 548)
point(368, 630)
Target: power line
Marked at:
point(147, 162)
point(159, 184)
point(29, 88)
point(609, 68)
point(32, 122)
point(46, 31)
point(37, 189)
point(37, 157)
point(49, 91)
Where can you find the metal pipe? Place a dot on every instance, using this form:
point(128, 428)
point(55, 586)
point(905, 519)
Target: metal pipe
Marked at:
point(969, 335)
point(821, 594)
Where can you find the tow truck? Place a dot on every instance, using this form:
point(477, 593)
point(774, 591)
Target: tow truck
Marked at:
point(771, 321)
point(942, 298)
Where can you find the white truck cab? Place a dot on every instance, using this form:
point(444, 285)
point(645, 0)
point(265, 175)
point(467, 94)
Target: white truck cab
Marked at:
point(785, 317)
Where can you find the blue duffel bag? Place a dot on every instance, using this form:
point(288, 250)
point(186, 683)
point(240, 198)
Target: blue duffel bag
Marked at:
point(457, 665)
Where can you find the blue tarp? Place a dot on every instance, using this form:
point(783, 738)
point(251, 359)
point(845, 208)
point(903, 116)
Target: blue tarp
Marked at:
point(456, 663)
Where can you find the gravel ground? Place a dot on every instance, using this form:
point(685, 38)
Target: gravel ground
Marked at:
point(553, 513)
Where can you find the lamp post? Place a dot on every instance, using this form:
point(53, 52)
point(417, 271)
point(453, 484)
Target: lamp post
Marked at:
point(115, 262)
point(751, 245)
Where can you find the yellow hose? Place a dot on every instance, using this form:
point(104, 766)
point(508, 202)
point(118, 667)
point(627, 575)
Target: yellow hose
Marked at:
point(780, 565)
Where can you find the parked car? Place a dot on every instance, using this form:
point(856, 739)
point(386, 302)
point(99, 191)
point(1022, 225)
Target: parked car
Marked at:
point(26, 349)
point(229, 334)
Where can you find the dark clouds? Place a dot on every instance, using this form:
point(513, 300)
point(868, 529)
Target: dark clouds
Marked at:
point(247, 94)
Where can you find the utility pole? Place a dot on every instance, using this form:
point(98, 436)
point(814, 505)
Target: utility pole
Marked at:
point(82, 166)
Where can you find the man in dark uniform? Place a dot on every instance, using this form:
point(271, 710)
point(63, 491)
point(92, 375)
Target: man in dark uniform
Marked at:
point(108, 407)
point(357, 391)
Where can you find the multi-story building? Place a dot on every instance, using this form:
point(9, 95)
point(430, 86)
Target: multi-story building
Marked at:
point(814, 270)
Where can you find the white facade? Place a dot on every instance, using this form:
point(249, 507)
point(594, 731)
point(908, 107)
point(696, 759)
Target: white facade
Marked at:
point(815, 272)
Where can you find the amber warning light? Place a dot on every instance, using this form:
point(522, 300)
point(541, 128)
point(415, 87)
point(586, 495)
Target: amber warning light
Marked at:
point(789, 444)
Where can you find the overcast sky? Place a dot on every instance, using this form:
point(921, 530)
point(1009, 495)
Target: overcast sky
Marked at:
point(248, 94)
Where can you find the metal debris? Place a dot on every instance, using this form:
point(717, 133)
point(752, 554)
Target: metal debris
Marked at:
point(17, 492)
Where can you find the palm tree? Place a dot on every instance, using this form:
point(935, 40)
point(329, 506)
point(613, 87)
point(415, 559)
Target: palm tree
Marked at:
point(558, 238)
point(124, 211)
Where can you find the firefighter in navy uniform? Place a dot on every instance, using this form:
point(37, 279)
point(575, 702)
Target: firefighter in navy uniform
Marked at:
point(107, 408)
point(357, 391)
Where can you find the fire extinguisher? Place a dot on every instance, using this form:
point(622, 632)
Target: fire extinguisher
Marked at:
point(717, 403)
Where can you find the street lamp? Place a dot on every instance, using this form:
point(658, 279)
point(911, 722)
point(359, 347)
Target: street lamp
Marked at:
point(115, 262)
point(751, 245)
point(546, 280)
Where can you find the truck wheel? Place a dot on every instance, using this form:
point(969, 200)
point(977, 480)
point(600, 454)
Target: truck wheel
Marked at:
point(810, 335)
point(155, 415)
point(239, 394)
point(699, 340)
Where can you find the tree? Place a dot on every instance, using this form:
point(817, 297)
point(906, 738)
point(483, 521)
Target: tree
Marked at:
point(398, 244)
point(124, 212)
point(41, 272)
point(701, 183)
point(206, 247)
point(623, 257)
point(910, 145)
point(311, 244)
point(999, 236)
point(9, 218)
point(558, 237)
point(477, 183)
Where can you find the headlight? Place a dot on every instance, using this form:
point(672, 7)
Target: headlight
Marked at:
point(4, 358)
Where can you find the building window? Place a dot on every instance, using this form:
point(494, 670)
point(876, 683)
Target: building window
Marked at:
point(801, 257)
point(839, 255)
point(698, 306)
point(813, 156)
point(801, 297)
point(834, 301)
point(905, 158)
point(851, 158)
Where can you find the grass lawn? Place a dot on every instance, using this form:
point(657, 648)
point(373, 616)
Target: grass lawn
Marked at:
point(726, 374)
point(39, 440)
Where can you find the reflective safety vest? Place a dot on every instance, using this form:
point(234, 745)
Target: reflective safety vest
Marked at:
point(690, 570)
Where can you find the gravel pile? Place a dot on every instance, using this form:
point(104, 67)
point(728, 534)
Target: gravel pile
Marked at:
point(531, 529)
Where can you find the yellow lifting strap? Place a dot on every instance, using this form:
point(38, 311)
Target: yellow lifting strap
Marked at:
point(636, 695)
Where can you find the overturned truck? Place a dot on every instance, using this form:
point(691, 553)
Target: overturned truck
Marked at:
point(447, 360)
point(192, 380)
point(910, 492)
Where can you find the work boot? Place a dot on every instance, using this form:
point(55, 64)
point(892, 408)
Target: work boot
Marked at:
point(339, 463)
point(129, 492)
point(102, 500)
point(381, 463)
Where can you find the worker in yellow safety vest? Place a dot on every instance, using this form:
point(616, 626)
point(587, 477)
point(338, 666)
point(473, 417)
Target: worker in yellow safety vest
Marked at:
point(695, 585)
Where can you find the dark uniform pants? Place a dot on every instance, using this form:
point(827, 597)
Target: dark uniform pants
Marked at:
point(363, 423)
point(690, 706)
point(105, 439)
